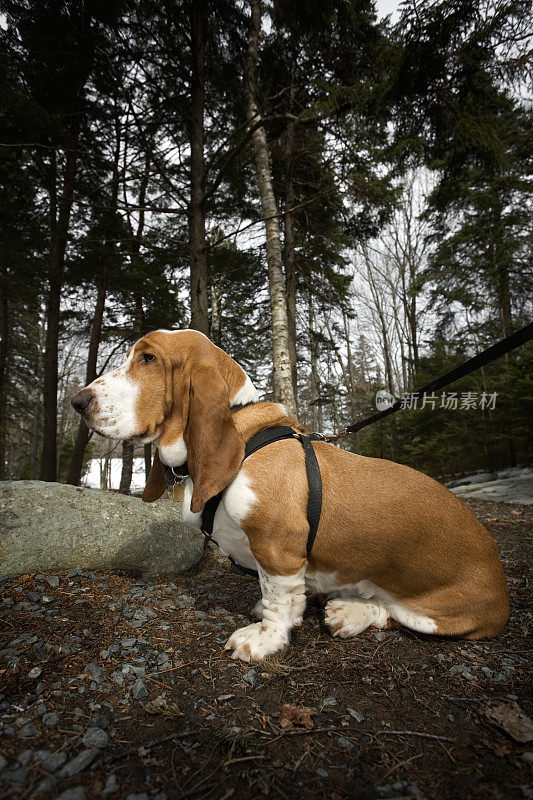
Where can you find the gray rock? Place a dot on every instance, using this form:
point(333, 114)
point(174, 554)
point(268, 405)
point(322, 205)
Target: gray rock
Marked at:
point(46, 785)
point(74, 793)
point(527, 756)
point(95, 737)
point(111, 785)
point(251, 677)
point(96, 672)
point(51, 527)
point(100, 721)
point(79, 763)
point(50, 719)
point(27, 731)
point(54, 762)
point(356, 715)
point(138, 796)
point(52, 580)
point(25, 757)
point(139, 690)
point(19, 775)
point(329, 701)
point(3, 762)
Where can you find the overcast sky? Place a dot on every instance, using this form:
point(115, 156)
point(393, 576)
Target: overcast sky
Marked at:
point(385, 7)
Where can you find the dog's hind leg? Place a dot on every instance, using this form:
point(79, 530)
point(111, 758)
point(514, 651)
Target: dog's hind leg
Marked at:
point(350, 616)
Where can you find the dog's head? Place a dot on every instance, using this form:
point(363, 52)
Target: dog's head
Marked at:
point(175, 388)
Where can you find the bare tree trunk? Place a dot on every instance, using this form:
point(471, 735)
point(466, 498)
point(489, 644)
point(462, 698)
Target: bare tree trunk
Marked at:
point(147, 450)
point(58, 244)
point(82, 437)
point(138, 318)
point(316, 407)
point(290, 254)
point(76, 462)
point(196, 211)
point(283, 388)
point(127, 467)
point(216, 330)
point(4, 350)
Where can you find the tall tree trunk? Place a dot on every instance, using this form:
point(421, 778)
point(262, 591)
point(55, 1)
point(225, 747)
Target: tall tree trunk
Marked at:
point(76, 462)
point(283, 390)
point(216, 331)
point(196, 211)
point(316, 407)
point(138, 316)
point(127, 467)
point(290, 254)
point(4, 350)
point(147, 451)
point(58, 244)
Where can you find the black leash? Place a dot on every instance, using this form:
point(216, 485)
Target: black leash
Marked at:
point(491, 354)
point(261, 439)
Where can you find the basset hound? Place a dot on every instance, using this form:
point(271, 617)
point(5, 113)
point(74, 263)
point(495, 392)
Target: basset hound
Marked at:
point(393, 545)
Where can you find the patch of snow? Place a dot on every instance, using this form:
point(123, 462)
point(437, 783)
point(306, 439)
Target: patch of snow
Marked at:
point(92, 478)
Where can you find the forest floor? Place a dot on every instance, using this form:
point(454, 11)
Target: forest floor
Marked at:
point(112, 686)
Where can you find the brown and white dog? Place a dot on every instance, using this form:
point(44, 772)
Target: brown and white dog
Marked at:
point(392, 546)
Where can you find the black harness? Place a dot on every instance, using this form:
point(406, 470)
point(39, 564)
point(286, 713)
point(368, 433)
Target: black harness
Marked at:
point(262, 439)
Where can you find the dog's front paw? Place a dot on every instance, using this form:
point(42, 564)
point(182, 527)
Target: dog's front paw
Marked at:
point(256, 641)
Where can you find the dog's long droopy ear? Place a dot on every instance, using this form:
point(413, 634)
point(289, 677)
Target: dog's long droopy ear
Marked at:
point(155, 485)
point(214, 448)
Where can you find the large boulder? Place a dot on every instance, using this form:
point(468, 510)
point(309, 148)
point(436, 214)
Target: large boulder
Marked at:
point(49, 527)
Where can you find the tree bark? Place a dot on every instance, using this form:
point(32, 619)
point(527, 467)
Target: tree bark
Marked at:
point(290, 259)
point(76, 462)
point(4, 350)
point(127, 467)
point(58, 244)
point(196, 210)
point(283, 389)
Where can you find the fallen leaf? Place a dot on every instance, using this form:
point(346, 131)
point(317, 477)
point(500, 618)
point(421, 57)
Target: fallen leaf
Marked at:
point(512, 719)
point(295, 715)
point(518, 513)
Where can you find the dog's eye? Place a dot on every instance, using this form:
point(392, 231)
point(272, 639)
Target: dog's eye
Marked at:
point(148, 357)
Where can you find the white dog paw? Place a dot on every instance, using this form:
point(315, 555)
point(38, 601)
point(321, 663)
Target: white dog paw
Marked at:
point(347, 618)
point(257, 610)
point(256, 641)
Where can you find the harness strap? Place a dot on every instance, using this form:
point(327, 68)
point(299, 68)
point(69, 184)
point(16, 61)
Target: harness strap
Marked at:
point(314, 479)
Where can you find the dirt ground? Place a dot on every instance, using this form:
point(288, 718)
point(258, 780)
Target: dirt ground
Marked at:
point(111, 686)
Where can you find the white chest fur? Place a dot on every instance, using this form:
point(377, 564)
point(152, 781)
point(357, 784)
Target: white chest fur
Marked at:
point(236, 502)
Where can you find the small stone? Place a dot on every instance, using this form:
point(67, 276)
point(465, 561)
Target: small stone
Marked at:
point(127, 643)
point(251, 677)
point(358, 717)
point(111, 785)
point(322, 772)
point(79, 763)
point(138, 796)
point(223, 697)
point(27, 731)
point(50, 719)
point(46, 785)
point(35, 672)
point(39, 689)
point(95, 737)
point(3, 762)
point(74, 793)
point(99, 721)
point(54, 762)
point(527, 756)
point(96, 672)
point(329, 701)
point(15, 775)
point(139, 690)
point(25, 757)
point(52, 580)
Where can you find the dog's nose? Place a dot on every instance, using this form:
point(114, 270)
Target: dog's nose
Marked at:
point(81, 401)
